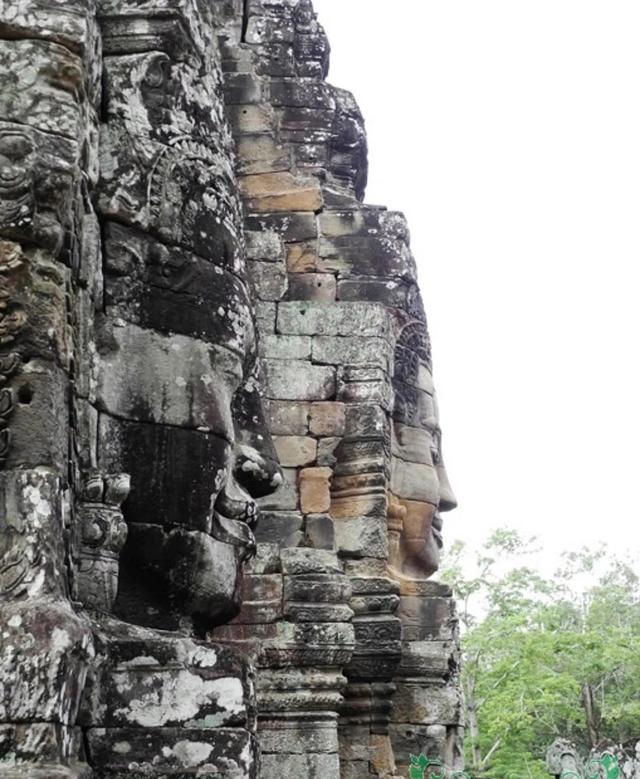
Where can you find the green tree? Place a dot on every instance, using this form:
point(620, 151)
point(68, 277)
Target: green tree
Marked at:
point(545, 656)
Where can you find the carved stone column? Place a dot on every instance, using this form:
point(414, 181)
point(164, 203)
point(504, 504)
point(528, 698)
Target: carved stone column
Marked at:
point(48, 74)
point(102, 532)
point(427, 712)
point(366, 748)
point(295, 626)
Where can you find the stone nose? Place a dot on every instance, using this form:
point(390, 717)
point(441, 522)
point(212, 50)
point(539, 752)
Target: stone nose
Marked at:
point(258, 473)
point(448, 500)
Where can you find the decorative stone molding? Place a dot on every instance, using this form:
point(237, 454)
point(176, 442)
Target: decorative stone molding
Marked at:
point(102, 534)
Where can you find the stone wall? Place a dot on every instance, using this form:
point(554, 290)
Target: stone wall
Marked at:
point(339, 315)
point(213, 356)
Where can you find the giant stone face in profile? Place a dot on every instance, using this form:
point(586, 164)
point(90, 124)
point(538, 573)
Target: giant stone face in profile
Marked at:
point(420, 489)
point(186, 423)
point(158, 277)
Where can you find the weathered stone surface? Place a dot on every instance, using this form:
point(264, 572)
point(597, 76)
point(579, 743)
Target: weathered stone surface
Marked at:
point(251, 119)
point(302, 561)
point(361, 537)
point(328, 451)
point(345, 350)
point(298, 381)
point(301, 258)
point(315, 497)
point(174, 489)
point(263, 245)
point(172, 751)
point(295, 450)
point(346, 319)
point(327, 419)
point(267, 192)
point(177, 176)
point(286, 347)
point(286, 498)
point(312, 286)
point(319, 530)
point(311, 765)
point(280, 527)
point(157, 392)
point(287, 417)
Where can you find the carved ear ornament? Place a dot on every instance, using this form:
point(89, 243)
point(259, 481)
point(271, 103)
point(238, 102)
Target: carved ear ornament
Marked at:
point(111, 489)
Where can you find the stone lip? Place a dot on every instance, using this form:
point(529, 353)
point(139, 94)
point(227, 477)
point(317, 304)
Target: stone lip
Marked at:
point(235, 532)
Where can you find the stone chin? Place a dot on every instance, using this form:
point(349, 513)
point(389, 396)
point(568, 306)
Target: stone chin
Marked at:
point(206, 570)
point(418, 555)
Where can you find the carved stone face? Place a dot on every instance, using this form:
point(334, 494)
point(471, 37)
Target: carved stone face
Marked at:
point(177, 375)
point(419, 482)
point(16, 178)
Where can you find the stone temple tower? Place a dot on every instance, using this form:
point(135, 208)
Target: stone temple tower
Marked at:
point(221, 473)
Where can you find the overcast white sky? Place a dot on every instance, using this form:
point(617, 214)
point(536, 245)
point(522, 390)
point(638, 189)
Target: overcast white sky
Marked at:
point(508, 131)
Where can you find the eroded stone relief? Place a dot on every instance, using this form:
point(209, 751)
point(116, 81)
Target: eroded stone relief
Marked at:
point(222, 478)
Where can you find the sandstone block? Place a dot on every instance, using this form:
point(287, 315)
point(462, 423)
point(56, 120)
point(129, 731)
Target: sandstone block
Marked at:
point(366, 422)
point(242, 88)
point(312, 765)
point(352, 350)
point(317, 612)
point(319, 531)
point(286, 497)
point(327, 419)
point(47, 99)
point(295, 451)
point(287, 417)
point(251, 119)
point(174, 486)
point(299, 738)
point(174, 751)
point(268, 29)
point(315, 496)
point(286, 347)
point(336, 223)
point(263, 245)
point(261, 599)
point(362, 536)
point(265, 316)
point(409, 738)
point(39, 414)
point(430, 705)
point(312, 286)
point(286, 380)
point(431, 615)
point(269, 279)
point(327, 451)
point(415, 481)
point(279, 527)
point(317, 588)
point(276, 60)
point(430, 659)
point(368, 386)
point(155, 392)
point(309, 93)
point(280, 192)
point(302, 561)
point(295, 226)
point(413, 444)
point(258, 153)
point(348, 319)
point(301, 258)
